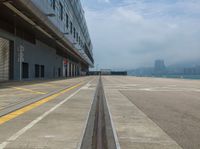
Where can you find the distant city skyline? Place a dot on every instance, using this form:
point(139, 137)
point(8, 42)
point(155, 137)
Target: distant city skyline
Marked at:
point(129, 34)
point(160, 69)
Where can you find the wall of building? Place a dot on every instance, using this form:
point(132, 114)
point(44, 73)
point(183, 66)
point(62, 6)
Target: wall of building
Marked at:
point(63, 24)
point(40, 54)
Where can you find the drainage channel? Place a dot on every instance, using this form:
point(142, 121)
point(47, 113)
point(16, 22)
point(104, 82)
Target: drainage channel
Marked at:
point(99, 132)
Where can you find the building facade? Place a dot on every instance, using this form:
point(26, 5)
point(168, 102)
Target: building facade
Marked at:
point(43, 39)
point(159, 67)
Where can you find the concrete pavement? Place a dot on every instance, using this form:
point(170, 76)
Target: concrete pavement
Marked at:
point(16, 93)
point(58, 123)
point(155, 112)
point(145, 113)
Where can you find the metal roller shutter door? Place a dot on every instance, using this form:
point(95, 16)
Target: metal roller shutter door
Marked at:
point(4, 59)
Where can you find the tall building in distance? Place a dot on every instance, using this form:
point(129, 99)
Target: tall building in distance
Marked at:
point(159, 67)
point(43, 39)
point(192, 70)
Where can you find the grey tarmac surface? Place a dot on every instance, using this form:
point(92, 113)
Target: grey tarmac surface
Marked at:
point(154, 112)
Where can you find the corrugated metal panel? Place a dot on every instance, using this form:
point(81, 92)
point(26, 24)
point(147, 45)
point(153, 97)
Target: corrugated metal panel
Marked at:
point(4, 59)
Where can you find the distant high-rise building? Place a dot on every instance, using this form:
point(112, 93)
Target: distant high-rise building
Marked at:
point(159, 67)
point(189, 71)
point(198, 69)
point(192, 70)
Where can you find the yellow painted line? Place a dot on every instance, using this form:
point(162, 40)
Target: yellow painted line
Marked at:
point(29, 90)
point(23, 110)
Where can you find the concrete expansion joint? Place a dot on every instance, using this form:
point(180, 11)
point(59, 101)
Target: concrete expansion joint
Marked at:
point(99, 131)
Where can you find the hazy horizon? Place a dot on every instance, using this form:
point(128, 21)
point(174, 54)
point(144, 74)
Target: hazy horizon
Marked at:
point(128, 34)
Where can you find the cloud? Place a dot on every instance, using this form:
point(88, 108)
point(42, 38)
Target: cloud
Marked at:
point(132, 33)
point(104, 1)
point(107, 1)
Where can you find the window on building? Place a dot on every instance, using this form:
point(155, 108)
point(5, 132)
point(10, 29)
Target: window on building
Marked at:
point(71, 27)
point(77, 37)
point(61, 11)
point(74, 33)
point(67, 20)
point(53, 4)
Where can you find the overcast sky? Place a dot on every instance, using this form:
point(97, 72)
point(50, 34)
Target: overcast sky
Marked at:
point(133, 33)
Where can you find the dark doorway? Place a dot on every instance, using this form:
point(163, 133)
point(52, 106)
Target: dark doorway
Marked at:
point(59, 72)
point(37, 71)
point(42, 71)
point(69, 70)
point(66, 72)
point(25, 70)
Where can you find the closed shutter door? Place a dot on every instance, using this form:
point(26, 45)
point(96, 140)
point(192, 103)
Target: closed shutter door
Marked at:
point(4, 59)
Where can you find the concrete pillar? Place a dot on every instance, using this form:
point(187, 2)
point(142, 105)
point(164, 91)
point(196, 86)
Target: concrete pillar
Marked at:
point(71, 70)
point(63, 69)
point(76, 70)
point(68, 69)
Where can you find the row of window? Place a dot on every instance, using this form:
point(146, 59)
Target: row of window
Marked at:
point(69, 24)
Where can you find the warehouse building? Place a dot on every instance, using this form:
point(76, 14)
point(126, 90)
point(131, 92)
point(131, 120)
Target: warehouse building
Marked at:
point(43, 39)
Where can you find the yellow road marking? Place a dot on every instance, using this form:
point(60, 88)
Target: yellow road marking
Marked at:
point(29, 90)
point(23, 110)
